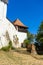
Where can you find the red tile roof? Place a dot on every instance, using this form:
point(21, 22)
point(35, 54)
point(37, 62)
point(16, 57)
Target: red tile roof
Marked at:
point(18, 23)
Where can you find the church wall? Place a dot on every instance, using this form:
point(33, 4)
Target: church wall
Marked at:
point(22, 36)
point(6, 25)
point(3, 10)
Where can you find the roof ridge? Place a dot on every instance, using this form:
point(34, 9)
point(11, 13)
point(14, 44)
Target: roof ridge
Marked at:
point(18, 22)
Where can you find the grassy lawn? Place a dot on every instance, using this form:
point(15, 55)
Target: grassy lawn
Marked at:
point(20, 57)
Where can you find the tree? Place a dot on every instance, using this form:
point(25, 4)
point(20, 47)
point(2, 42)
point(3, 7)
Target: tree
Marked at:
point(39, 36)
point(30, 37)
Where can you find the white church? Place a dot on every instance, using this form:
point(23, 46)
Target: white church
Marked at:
point(13, 29)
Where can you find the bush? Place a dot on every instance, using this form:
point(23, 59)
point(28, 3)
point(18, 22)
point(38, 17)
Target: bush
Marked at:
point(26, 42)
point(10, 44)
point(29, 48)
point(13, 48)
point(7, 48)
point(28, 45)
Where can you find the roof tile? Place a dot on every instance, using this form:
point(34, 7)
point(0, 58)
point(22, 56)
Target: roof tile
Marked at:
point(18, 23)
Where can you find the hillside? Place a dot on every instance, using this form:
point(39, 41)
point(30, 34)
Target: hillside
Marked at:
point(18, 58)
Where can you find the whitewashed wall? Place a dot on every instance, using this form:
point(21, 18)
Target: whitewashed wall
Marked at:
point(22, 36)
point(6, 25)
point(3, 10)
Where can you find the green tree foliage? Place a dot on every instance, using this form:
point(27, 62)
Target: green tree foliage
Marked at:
point(27, 42)
point(41, 28)
point(30, 36)
point(39, 36)
point(29, 39)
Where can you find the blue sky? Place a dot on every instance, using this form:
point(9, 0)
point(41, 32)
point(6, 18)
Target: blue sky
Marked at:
point(30, 12)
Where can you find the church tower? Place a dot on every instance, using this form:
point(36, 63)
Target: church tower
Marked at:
point(3, 8)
